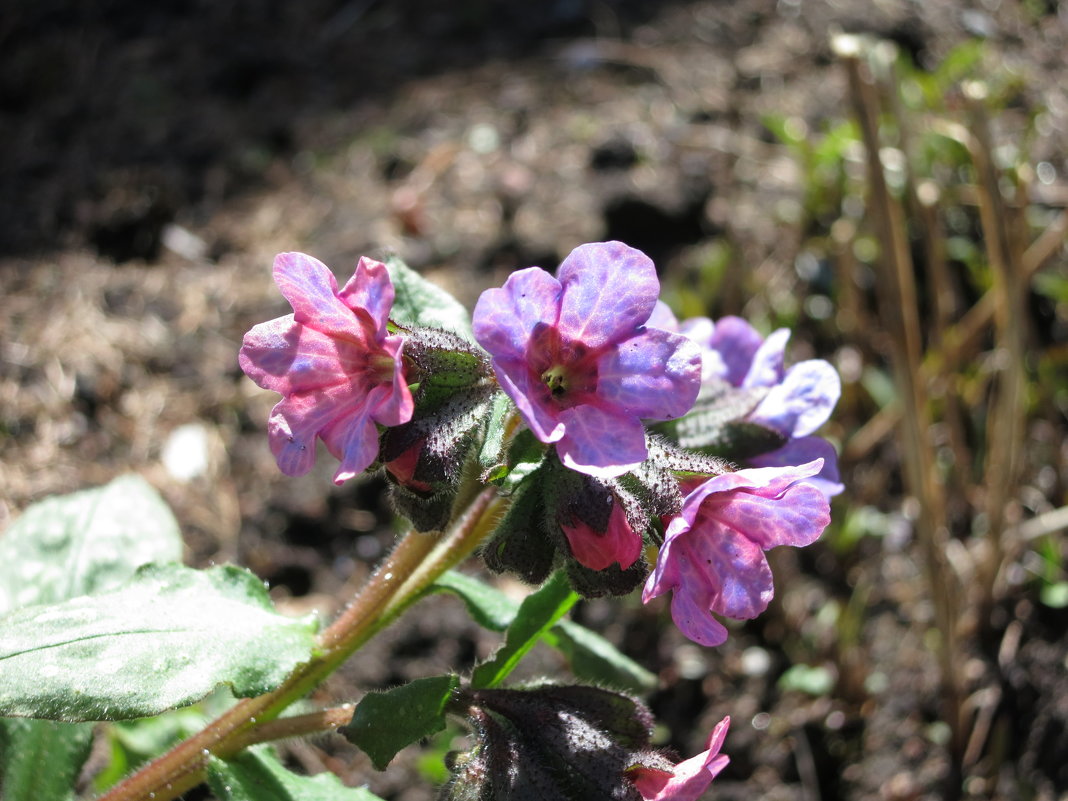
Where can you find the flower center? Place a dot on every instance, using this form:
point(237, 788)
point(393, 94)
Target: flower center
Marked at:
point(567, 367)
point(381, 367)
point(555, 379)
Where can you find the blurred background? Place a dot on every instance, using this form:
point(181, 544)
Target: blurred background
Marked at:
point(157, 156)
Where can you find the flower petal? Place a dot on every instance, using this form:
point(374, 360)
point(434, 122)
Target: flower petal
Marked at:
point(806, 449)
point(398, 405)
point(688, 779)
point(654, 375)
point(371, 290)
point(297, 419)
point(729, 564)
point(505, 317)
point(284, 356)
point(689, 611)
point(735, 342)
point(692, 776)
point(609, 290)
point(601, 442)
point(353, 437)
point(767, 366)
point(796, 516)
point(663, 318)
point(531, 396)
point(311, 290)
point(803, 401)
point(598, 551)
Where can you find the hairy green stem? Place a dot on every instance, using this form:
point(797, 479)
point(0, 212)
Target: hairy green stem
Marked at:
point(417, 561)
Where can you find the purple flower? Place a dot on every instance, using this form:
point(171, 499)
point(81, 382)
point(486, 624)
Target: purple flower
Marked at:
point(337, 368)
point(798, 401)
point(574, 354)
point(690, 778)
point(713, 552)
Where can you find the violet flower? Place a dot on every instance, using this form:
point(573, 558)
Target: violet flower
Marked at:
point(690, 778)
point(337, 368)
point(713, 552)
point(799, 399)
point(575, 355)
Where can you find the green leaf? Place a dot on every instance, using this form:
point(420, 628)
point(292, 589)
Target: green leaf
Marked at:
point(40, 759)
point(258, 775)
point(490, 607)
point(525, 455)
point(384, 723)
point(591, 656)
point(165, 639)
point(537, 614)
point(61, 548)
point(85, 543)
point(419, 302)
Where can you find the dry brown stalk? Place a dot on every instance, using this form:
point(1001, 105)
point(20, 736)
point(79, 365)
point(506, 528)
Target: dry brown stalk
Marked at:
point(899, 311)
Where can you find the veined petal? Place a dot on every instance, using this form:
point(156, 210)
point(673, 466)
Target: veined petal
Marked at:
point(729, 564)
point(370, 289)
point(676, 572)
point(803, 401)
point(311, 290)
point(609, 289)
point(795, 516)
point(689, 611)
point(601, 442)
point(284, 356)
point(505, 317)
point(353, 437)
point(398, 405)
point(769, 481)
point(654, 375)
point(531, 398)
point(806, 449)
point(297, 419)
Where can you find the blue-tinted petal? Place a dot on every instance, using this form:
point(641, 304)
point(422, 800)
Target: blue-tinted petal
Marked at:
point(609, 290)
point(653, 375)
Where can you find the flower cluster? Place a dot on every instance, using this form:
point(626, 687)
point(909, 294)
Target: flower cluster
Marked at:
point(609, 424)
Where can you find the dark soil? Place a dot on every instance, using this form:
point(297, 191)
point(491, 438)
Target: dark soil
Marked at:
point(157, 156)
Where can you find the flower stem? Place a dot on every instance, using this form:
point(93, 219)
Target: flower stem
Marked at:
point(417, 561)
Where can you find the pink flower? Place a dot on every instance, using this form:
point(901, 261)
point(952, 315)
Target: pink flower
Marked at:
point(713, 552)
point(403, 467)
point(337, 368)
point(690, 778)
point(598, 550)
point(576, 357)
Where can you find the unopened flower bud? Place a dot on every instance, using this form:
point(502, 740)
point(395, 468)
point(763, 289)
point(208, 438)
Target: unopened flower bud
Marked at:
point(565, 743)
